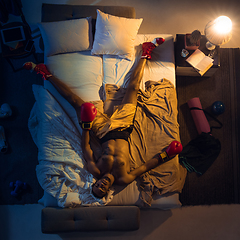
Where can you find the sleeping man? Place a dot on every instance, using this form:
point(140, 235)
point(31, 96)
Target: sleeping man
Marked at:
point(114, 164)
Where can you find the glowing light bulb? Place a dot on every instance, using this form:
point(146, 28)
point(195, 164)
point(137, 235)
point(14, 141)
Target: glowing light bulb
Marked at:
point(223, 25)
point(218, 32)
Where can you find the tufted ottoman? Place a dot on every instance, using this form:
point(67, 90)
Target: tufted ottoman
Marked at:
point(113, 218)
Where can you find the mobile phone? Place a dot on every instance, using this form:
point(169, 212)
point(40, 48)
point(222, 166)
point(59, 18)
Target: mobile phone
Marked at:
point(29, 46)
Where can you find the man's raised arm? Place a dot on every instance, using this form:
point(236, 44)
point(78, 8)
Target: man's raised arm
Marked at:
point(88, 113)
point(172, 150)
point(88, 155)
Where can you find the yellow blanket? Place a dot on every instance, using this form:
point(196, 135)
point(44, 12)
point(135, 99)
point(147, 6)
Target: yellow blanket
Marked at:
point(155, 127)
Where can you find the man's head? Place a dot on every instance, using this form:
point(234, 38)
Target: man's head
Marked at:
point(101, 187)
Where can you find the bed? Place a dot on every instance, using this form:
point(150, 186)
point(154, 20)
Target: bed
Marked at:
point(98, 70)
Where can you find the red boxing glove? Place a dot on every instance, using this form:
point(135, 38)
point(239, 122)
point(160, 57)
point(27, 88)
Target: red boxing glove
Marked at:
point(160, 41)
point(172, 150)
point(88, 113)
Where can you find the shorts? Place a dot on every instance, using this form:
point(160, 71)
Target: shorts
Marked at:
point(116, 134)
point(121, 119)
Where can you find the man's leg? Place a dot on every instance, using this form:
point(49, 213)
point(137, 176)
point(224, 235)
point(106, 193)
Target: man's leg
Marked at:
point(61, 87)
point(66, 92)
point(134, 84)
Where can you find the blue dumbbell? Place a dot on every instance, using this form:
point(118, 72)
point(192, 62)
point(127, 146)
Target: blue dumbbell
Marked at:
point(19, 186)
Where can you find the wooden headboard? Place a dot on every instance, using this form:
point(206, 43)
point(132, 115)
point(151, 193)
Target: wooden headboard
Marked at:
point(61, 12)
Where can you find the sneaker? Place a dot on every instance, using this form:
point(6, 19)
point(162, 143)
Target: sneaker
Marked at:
point(5, 111)
point(39, 69)
point(3, 142)
point(148, 47)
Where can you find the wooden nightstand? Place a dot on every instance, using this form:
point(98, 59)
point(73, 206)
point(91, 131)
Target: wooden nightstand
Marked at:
point(183, 68)
point(20, 52)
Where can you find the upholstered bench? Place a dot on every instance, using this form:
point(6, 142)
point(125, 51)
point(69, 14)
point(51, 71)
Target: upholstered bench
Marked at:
point(113, 218)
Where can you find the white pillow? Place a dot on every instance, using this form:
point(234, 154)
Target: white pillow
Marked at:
point(66, 36)
point(115, 35)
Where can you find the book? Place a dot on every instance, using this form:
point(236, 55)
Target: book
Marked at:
point(200, 61)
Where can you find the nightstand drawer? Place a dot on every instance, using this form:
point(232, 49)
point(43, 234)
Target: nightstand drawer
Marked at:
point(190, 71)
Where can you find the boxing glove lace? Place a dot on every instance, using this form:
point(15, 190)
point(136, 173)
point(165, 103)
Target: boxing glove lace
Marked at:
point(88, 113)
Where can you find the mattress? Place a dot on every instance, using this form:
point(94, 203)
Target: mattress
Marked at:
point(87, 81)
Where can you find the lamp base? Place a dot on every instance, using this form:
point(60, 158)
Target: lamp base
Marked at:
point(210, 46)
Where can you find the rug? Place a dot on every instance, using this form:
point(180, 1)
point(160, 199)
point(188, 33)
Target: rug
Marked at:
point(220, 183)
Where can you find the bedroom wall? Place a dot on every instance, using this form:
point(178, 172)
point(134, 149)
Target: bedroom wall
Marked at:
point(171, 16)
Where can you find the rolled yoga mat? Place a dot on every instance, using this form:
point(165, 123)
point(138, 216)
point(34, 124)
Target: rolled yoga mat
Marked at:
point(198, 116)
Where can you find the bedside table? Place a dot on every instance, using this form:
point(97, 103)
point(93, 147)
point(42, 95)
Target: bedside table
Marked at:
point(183, 68)
point(20, 52)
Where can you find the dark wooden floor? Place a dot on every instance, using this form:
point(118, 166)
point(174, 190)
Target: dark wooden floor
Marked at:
point(220, 184)
point(20, 161)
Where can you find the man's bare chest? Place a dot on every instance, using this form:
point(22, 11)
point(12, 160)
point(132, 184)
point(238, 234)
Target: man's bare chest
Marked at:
point(115, 158)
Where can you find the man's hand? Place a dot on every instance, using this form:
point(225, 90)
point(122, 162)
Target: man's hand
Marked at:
point(172, 150)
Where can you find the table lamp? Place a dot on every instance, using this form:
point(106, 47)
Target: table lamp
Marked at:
point(218, 32)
